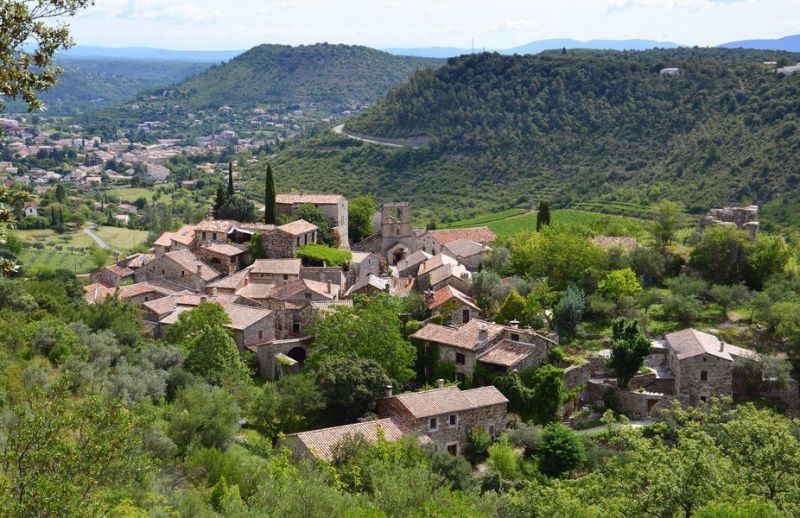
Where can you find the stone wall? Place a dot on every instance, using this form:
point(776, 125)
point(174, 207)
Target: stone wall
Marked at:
point(456, 316)
point(278, 244)
point(577, 375)
point(690, 386)
point(332, 274)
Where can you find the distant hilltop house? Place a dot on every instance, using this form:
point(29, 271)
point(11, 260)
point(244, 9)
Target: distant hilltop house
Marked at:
point(792, 69)
point(743, 218)
point(670, 72)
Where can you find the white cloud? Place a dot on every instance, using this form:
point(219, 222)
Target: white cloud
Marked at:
point(173, 11)
point(621, 5)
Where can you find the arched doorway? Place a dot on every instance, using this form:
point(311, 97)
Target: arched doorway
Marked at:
point(298, 354)
point(397, 254)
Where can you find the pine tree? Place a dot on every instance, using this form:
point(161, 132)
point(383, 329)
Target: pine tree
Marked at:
point(219, 201)
point(270, 214)
point(230, 179)
point(543, 215)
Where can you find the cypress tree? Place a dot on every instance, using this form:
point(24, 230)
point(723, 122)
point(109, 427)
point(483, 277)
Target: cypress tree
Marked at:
point(219, 201)
point(230, 179)
point(269, 198)
point(542, 215)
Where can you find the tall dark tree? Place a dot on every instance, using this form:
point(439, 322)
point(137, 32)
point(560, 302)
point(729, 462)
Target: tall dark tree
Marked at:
point(270, 212)
point(219, 201)
point(230, 179)
point(629, 347)
point(542, 215)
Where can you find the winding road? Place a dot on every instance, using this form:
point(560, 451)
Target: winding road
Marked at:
point(90, 232)
point(340, 131)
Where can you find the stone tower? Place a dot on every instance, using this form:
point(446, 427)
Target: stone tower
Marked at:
point(397, 236)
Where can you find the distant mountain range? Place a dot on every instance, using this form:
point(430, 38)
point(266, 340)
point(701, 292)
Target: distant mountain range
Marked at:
point(146, 53)
point(535, 47)
point(788, 43)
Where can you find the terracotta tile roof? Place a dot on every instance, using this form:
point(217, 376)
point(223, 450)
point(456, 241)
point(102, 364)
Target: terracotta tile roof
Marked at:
point(140, 288)
point(255, 290)
point(465, 337)
point(233, 281)
point(188, 261)
point(691, 342)
point(465, 248)
point(448, 293)
point(437, 261)
point(139, 260)
point(314, 199)
point(429, 403)
point(164, 239)
point(119, 271)
point(161, 307)
point(485, 396)
point(215, 225)
point(241, 316)
point(299, 227)
point(507, 353)
point(449, 270)
point(330, 291)
point(184, 235)
point(478, 234)
point(413, 260)
point(96, 292)
point(223, 249)
point(321, 442)
point(277, 266)
point(288, 290)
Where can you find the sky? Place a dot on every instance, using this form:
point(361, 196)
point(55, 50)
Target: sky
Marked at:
point(493, 24)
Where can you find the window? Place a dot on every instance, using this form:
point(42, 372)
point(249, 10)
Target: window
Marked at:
point(490, 430)
point(515, 337)
point(460, 377)
point(260, 334)
point(295, 323)
point(705, 359)
point(452, 448)
point(452, 420)
point(464, 316)
point(703, 399)
point(162, 272)
point(214, 236)
point(308, 296)
point(285, 277)
point(433, 424)
point(305, 238)
point(703, 375)
point(461, 359)
point(183, 273)
point(146, 298)
point(204, 235)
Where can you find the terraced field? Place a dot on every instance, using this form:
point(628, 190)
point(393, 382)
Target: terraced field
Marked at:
point(510, 222)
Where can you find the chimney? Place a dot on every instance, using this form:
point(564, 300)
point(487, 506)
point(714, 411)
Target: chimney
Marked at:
point(214, 291)
point(388, 391)
point(483, 333)
point(328, 288)
point(202, 298)
point(514, 324)
point(440, 383)
point(721, 346)
point(199, 269)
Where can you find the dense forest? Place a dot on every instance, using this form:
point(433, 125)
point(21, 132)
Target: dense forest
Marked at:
point(93, 83)
point(580, 126)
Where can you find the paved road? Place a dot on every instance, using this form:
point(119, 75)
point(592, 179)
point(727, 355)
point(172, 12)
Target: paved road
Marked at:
point(90, 232)
point(340, 130)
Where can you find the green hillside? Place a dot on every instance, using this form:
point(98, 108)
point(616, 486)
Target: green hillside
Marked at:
point(582, 127)
point(93, 83)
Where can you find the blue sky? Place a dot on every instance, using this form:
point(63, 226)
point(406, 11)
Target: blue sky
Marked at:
point(239, 24)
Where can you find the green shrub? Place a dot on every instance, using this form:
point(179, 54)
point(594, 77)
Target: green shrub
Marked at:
point(318, 254)
point(561, 450)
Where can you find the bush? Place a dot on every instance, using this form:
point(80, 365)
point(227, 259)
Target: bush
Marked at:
point(503, 458)
point(478, 444)
point(561, 450)
point(527, 436)
point(318, 254)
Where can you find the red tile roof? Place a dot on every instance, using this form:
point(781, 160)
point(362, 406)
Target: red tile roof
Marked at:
point(298, 228)
point(321, 442)
point(313, 199)
point(448, 293)
point(429, 403)
point(478, 234)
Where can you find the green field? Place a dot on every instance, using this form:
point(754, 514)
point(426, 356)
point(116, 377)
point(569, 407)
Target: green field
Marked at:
point(131, 194)
point(73, 250)
point(121, 238)
point(510, 222)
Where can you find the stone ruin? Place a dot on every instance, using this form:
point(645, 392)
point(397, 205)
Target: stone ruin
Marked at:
point(743, 218)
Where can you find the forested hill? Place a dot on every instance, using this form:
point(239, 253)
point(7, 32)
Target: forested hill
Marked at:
point(336, 76)
point(604, 124)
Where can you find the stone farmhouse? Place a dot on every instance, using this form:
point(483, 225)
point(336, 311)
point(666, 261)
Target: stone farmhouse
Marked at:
point(500, 349)
point(443, 415)
point(334, 206)
point(689, 366)
point(455, 307)
point(743, 218)
point(181, 267)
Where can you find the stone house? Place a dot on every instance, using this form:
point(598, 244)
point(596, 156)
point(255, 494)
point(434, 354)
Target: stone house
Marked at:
point(112, 275)
point(743, 218)
point(96, 292)
point(455, 307)
point(442, 270)
point(30, 209)
point(334, 206)
point(372, 285)
point(409, 267)
point(362, 264)
point(180, 267)
point(142, 292)
point(434, 241)
point(443, 415)
point(223, 257)
point(469, 253)
point(275, 271)
point(467, 346)
point(446, 414)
